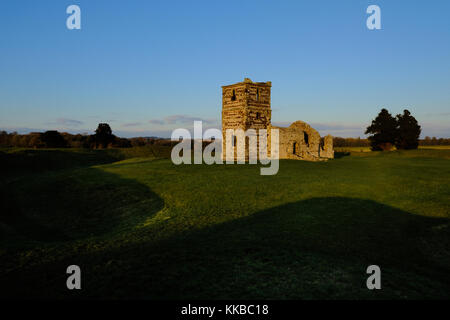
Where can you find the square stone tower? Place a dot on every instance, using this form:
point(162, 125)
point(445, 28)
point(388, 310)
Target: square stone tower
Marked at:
point(245, 105)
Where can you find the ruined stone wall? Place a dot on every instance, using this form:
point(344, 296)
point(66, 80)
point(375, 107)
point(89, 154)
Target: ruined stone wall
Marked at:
point(327, 150)
point(246, 105)
point(233, 107)
point(299, 141)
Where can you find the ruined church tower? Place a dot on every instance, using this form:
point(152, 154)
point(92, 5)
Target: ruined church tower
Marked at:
point(245, 105)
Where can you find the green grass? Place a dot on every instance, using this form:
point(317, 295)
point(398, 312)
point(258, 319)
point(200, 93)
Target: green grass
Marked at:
point(435, 147)
point(367, 149)
point(352, 149)
point(141, 227)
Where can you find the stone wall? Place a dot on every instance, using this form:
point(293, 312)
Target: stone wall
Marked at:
point(327, 150)
point(299, 141)
point(246, 105)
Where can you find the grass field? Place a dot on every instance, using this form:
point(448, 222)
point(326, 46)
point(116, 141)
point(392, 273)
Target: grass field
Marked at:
point(367, 149)
point(141, 227)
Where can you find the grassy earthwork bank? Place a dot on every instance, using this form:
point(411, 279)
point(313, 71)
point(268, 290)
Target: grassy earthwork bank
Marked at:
point(141, 227)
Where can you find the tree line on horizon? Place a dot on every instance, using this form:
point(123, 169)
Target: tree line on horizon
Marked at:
point(104, 138)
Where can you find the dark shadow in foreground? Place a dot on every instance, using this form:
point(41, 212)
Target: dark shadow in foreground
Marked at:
point(73, 205)
point(313, 249)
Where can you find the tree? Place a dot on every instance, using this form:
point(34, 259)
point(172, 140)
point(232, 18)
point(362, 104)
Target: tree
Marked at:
point(103, 135)
point(383, 130)
point(35, 140)
point(53, 139)
point(408, 131)
point(4, 139)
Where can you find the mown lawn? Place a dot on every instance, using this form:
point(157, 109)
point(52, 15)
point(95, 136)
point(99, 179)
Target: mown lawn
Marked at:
point(141, 227)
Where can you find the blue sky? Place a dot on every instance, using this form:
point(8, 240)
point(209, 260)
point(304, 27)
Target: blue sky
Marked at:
point(146, 67)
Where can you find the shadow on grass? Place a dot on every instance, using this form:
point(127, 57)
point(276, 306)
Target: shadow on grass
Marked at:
point(339, 155)
point(39, 160)
point(74, 205)
point(312, 249)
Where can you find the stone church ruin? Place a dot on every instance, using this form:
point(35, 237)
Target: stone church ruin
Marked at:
point(246, 105)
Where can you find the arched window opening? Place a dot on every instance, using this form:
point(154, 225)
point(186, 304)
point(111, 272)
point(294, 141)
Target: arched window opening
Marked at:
point(258, 115)
point(294, 148)
point(257, 94)
point(305, 135)
point(233, 97)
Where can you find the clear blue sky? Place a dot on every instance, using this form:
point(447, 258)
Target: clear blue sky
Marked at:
point(146, 67)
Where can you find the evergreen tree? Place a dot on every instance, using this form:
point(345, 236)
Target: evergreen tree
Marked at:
point(408, 131)
point(383, 130)
point(103, 135)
